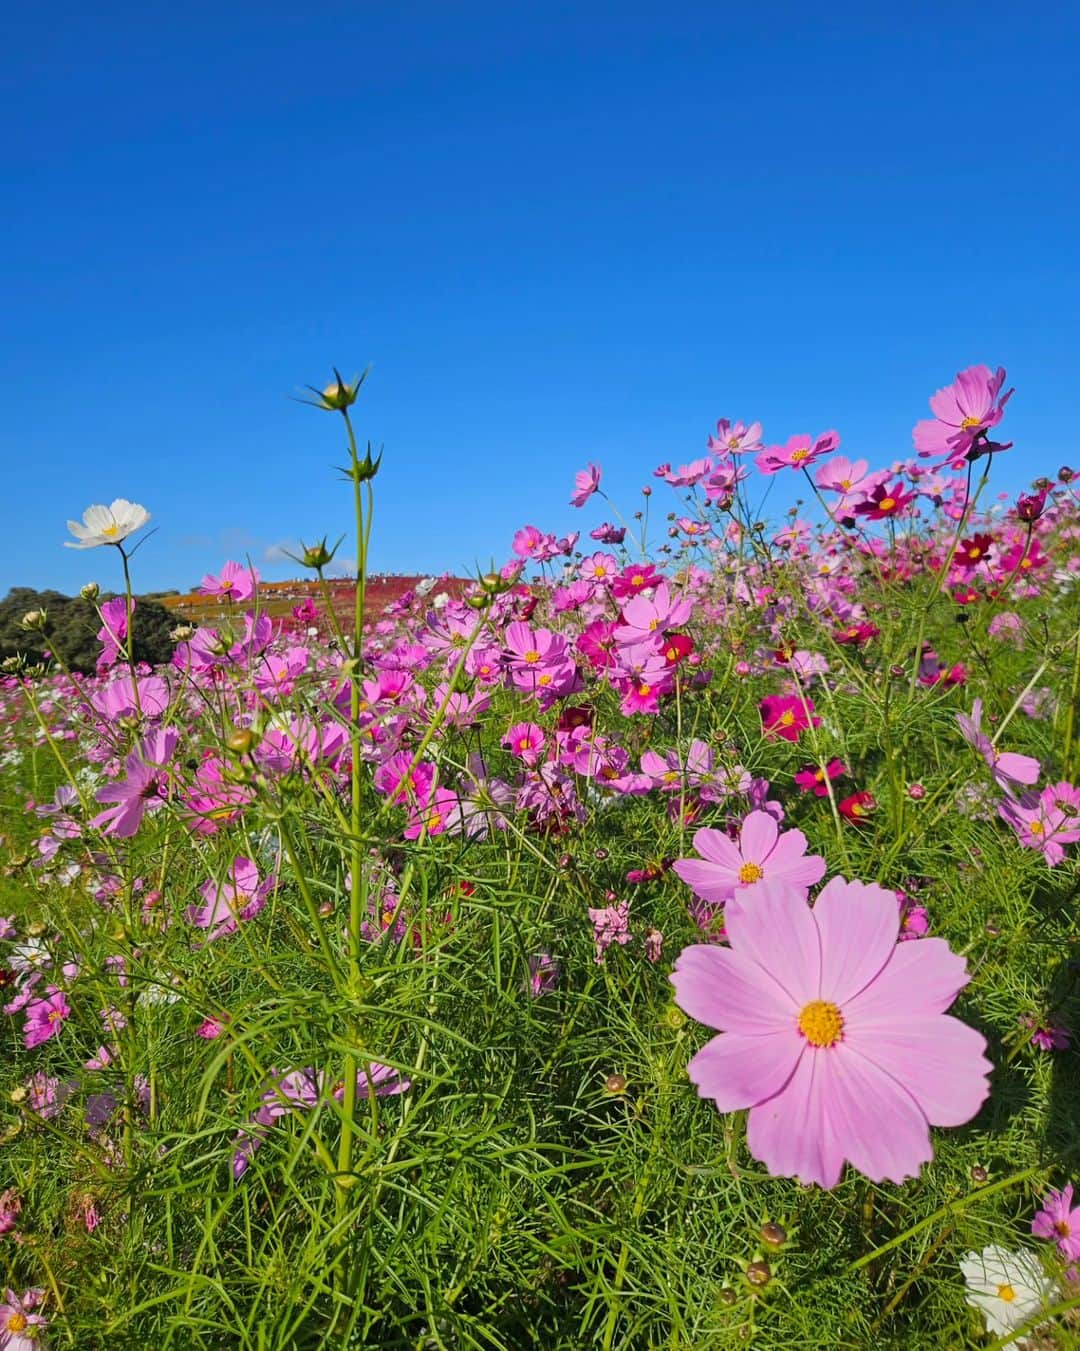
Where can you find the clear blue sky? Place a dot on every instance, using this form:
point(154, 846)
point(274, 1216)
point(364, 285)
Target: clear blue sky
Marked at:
point(559, 232)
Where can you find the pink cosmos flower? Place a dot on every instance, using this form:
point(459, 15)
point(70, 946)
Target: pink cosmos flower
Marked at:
point(1059, 1220)
point(543, 974)
point(784, 715)
point(525, 740)
point(1008, 768)
point(586, 482)
point(761, 854)
point(833, 1034)
point(813, 779)
point(145, 787)
point(611, 924)
point(234, 582)
point(20, 1326)
point(238, 898)
point(1045, 1034)
point(45, 1017)
point(732, 438)
point(963, 411)
point(799, 453)
point(10, 1208)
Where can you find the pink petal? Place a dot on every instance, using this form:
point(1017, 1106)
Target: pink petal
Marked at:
point(790, 862)
point(786, 1132)
point(717, 848)
point(725, 990)
point(739, 1072)
point(919, 979)
point(708, 880)
point(757, 837)
point(858, 923)
point(938, 1059)
point(875, 1123)
point(771, 924)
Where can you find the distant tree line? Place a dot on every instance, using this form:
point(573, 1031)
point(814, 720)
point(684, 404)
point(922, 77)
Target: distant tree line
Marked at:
point(72, 627)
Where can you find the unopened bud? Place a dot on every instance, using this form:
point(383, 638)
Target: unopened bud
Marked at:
point(759, 1274)
point(615, 1083)
point(241, 741)
point(773, 1235)
point(33, 619)
point(90, 591)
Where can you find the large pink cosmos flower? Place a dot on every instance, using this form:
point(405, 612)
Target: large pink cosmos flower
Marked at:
point(762, 854)
point(834, 1035)
point(963, 411)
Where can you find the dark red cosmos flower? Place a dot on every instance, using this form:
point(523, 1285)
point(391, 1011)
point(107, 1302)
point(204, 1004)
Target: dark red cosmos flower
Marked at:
point(856, 633)
point(884, 502)
point(858, 806)
point(677, 647)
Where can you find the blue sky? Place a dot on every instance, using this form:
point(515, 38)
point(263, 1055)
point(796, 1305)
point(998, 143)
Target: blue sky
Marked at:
point(558, 232)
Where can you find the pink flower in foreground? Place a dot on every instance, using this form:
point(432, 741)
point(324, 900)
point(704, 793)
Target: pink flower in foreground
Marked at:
point(586, 482)
point(1059, 1220)
point(833, 1034)
point(962, 412)
point(761, 855)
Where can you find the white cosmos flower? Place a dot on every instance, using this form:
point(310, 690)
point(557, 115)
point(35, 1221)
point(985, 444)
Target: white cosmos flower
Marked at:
point(1007, 1287)
point(107, 525)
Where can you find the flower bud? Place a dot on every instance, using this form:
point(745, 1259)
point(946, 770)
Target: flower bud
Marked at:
point(242, 741)
point(773, 1235)
point(90, 591)
point(33, 619)
point(615, 1083)
point(759, 1274)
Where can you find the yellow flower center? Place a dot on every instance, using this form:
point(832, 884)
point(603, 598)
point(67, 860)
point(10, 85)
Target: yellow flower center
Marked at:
point(787, 718)
point(751, 872)
point(532, 657)
point(798, 455)
point(1007, 1293)
point(1062, 1228)
point(845, 483)
point(1026, 563)
point(600, 572)
point(17, 1322)
point(887, 503)
point(970, 422)
point(544, 678)
point(55, 1016)
point(821, 1023)
point(637, 580)
point(524, 743)
point(644, 691)
point(111, 530)
point(670, 776)
point(1036, 827)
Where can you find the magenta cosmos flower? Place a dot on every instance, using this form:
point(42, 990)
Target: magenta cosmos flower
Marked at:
point(833, 1034)
point(1059, 1220)
point(784, 715)
point(1008, 768)
point(761, 854)
point(799, 453)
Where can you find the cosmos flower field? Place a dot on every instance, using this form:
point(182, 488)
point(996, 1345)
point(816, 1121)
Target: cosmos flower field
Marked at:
point(671, 941)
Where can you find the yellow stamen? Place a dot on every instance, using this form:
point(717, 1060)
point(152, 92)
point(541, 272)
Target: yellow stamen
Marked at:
point(17, 1322)
point(821, 1023)
point(887, 503)
point(970, 422)
point(1007, 1293)
point(751, 872)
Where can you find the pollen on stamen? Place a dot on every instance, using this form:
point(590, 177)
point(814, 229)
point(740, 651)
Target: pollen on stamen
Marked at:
point(821, 1023)
point(750, 873)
